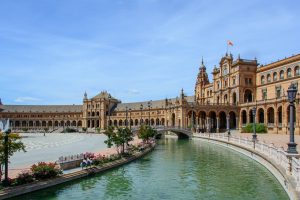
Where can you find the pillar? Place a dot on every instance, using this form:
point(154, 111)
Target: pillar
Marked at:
point(218, 124)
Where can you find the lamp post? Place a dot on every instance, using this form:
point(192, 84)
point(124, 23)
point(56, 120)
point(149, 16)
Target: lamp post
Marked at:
point(7, 132)
point(228, 125)
point(141, 108)
point(130, 118)
point(292, 92)
point(254, 136)
point(126, 120)
point(109, 112)
point(149, 106)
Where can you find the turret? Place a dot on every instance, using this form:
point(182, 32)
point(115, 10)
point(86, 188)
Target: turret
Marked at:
point(85, 96)
point(202, 80)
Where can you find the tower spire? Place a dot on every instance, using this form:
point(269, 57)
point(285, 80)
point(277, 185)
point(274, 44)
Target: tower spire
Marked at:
point(0, 102)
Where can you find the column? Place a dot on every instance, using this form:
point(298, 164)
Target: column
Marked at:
point(237, 123)
point(208, 124)
point(218, 124)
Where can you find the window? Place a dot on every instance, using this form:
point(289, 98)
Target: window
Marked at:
point(275, 76)
point(278, 91)
point(262, 79)
point(264, 94)
point(289, 73)
point(281, 74)
point(218, 84)
point(233, 81)
point(269, 78)
point(297, 71)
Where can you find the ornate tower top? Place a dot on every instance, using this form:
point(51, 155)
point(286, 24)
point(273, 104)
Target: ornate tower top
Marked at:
point(85, 96)
point(182, 94)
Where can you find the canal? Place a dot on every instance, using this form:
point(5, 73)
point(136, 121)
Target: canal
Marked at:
point(176, 169)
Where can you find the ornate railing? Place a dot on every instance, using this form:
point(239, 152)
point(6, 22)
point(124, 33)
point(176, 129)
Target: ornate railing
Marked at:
point(277, 155)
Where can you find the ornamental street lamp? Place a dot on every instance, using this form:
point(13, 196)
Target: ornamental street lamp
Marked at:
point(149, 106)
point(141, 108)
point(228, 125)
point(130, 118)
point(126, 120)
point(292, 92)
point(7, 132)
point(254, 136)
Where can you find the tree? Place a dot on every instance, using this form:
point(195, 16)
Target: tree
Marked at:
point(146, 132)
point(118, 137)
point(14, 145)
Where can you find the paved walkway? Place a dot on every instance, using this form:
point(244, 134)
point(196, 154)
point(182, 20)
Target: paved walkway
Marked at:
point(278, 140)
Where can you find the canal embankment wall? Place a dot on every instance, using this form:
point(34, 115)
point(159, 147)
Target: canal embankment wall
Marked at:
point(39, 185)
point(287, 182)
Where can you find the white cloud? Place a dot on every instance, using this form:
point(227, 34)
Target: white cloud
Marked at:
point(26, 99)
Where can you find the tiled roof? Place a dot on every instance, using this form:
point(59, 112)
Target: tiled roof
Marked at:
point(41, 108)
point(154, 104)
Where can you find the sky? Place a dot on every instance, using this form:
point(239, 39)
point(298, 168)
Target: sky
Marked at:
point(52, 51)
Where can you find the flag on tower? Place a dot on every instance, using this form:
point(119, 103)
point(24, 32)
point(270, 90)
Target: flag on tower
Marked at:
point(229, 42)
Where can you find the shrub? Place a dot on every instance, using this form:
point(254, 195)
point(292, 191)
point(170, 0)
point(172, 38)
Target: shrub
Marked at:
point(23, 178)
point(69, 130)
point(84, 129)
point(260, 128)
point(45, 170)
point(25, 129)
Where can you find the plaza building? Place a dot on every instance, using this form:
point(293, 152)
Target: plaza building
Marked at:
point(237, 86)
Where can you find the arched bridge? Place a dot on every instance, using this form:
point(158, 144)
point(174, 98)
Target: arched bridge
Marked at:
point(182, 133)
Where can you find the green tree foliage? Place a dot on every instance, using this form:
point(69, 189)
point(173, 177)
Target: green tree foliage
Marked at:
point(260, 128)
point(146, 132)
point(14, 145)
point(118, 137)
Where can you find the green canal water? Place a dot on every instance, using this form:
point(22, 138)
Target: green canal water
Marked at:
point(176, 169)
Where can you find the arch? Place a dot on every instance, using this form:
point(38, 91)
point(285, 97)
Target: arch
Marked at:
point(225, 98)
point(30, 123)
point(163, 121)
point(244, 117)
point(157, 122)
point(289, 73)
point(115, 122)
point(281, 74)
point(173, 119)
point(37, 124)
point(261, 115)
point(89, 123)
point(17, 124)
point(152, 122)
point(141, 121)
point(50, 123)
point(110, 122)
point(68, 123)
point(234, 98)
point(247, 96)
point(93, 114)
point(147, 122)
point(269, 78)
point(223, 120)
point(74, 123)
point(212, 121)
point(24, 123)
point(44, 123)
point(136, 122)
point(232, 120)
point(202, 120)
point(79, 123)
point(191, 118)
point(262, 79)
point(120, 122)
point(131, 122)
point(56, 124)
point(62, 123)
point(275, 76)
point(270, 115)
point(218, 99)
point(98, 114)
point(279, 115)
point(251, 118)
point(296, 71)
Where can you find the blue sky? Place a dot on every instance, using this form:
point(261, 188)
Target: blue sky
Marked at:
point(52, 51)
